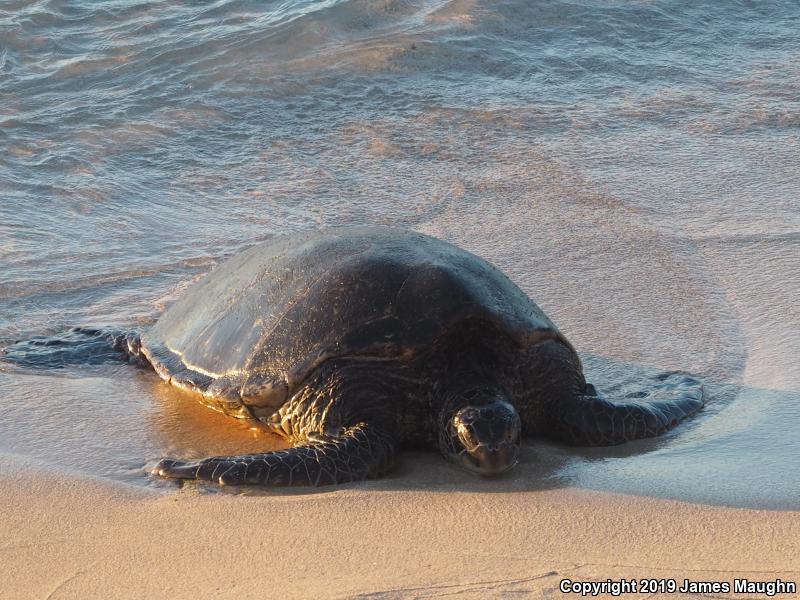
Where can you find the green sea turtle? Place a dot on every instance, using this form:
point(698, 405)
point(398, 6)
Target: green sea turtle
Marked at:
point(351, 343)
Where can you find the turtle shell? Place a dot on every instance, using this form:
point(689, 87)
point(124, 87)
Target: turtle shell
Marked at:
point(255, 328)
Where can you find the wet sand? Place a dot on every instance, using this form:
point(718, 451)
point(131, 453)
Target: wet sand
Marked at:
point(67, 536)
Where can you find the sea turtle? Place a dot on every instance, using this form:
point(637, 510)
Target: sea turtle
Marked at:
point(352, 342)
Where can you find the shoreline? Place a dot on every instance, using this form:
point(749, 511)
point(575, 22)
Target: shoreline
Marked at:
point(77, 537)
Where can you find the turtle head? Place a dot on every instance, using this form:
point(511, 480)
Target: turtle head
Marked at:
point(482, 437)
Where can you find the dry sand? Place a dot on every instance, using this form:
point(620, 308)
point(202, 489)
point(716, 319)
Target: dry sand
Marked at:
point(421, 533)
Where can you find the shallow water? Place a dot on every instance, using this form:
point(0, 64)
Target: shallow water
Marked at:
point(631, 165)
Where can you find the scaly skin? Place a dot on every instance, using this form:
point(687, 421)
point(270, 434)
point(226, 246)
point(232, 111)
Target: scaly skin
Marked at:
point(588, 419)
point(340, 426)
point(358, 452)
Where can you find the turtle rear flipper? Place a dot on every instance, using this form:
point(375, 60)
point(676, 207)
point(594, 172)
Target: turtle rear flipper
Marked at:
point(592, 420)
point(75, 347)
point(360, 452)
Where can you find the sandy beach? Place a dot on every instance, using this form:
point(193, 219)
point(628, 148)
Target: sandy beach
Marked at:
point(405, 537)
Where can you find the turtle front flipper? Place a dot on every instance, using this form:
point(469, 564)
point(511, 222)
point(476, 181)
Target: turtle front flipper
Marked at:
point(359, 452)
point(588, 419)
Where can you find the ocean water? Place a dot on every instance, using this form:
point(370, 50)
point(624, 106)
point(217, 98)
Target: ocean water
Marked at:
point(632, 165)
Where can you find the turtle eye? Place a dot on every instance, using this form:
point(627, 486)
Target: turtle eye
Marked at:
point(469, 414)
